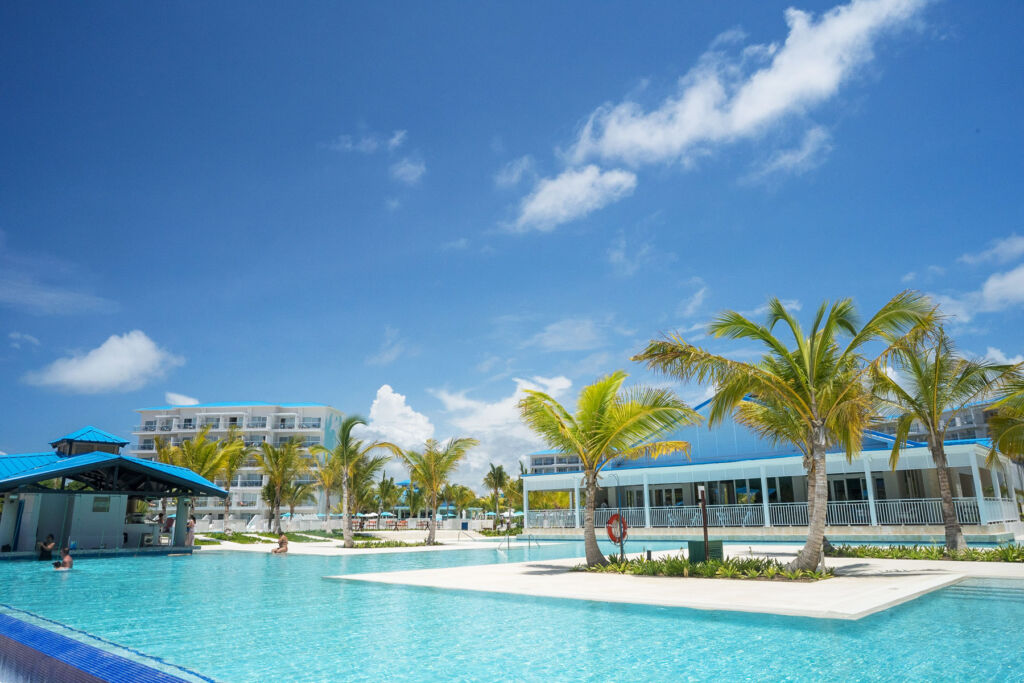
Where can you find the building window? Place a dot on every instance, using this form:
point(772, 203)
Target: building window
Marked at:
point(101, 503)
point(257, 423)
point(311, 423)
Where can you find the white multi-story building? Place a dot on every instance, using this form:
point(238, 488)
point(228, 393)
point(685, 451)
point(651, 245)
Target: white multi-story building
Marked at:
point(276, 423)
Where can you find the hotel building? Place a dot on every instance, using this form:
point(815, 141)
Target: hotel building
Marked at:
point(276, 423)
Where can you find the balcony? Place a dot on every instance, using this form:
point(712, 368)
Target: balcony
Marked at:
point(284, 425)
point(145, 447)
point(256, 423)
point(310, 424)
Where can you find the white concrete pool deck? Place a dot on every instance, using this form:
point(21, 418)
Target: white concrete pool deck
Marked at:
point(449, 541)
point(861, 587)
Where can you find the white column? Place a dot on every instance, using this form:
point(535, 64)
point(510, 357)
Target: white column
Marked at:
point(764, 497)
point(526, 504)
point(994, 473)
point(979, 495)
point(576, 503)
point(647, 504)
point(180, 522)
point(870, 481)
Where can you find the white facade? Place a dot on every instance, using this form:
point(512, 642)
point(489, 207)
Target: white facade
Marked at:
point(275, 423)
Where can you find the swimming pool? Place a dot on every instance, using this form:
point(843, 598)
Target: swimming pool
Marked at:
point(249, 616)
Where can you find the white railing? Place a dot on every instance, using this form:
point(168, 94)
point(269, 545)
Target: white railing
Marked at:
point(898, 512)
point(788, 514)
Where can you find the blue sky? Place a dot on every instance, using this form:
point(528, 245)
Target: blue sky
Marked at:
point(413, 211)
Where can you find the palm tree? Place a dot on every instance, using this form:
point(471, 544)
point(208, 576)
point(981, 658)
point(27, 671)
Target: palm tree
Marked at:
point(607, 425)
point(168, 455)
point(362, 481)
point(282, 465)
point(386, 494)
point(231, 462)
point(348, 452)
point(431, 469)
point(931, 384)
point(1007, 426)
point(414, 499)
point(205, 457)
point(460, 496)
point(295, 494)
point(496, 479)
point(813, 396)
point(327, 475)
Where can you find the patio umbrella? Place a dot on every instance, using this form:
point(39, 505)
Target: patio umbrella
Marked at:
point(490, 514)
point(386, 514)
point(372, 514)
point(360, 514)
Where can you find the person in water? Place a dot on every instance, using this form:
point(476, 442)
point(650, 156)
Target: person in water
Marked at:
point(190, 533)
point(282, 545)
point(65, 560)
point(46, 548)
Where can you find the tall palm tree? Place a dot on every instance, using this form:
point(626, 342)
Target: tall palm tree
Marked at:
point(206, 457)
point(328, 476)
point(282, 465)
point(608, 424)
point(231, 462)
point(431, 469)
point(813, 395)
point(932, 384)
point(348, 453)
point(362, 481)
point(496, 479)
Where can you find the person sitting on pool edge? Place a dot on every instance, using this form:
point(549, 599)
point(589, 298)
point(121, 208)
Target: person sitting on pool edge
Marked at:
point(46, 548)
point(65, 562)
point(282, 545)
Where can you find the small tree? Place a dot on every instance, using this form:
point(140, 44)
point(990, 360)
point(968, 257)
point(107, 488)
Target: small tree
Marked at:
point(431, 469)
point(496, 479)
point(282, 465)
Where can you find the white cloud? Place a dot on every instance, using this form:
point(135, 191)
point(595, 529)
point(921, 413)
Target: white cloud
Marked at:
point(408, 170)
point(457, 244)
point(909, 277)
point(396, 139)
point(179, 399)
point(19, 338)
point(569, 334)
point(392, 419)
point(722, 100)
point(514, 171)
point(789, 304)
point(815, 145)
point(997, 356)
point(1001, 291)
point(571, 195)
point(627, 260)
point(689, 306)
point(121, 363)
point(367, 144)
point(503, 437)
point(391, 348)
point(1001, 251)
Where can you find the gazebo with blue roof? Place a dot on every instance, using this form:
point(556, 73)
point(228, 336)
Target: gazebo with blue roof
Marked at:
point(83, 492)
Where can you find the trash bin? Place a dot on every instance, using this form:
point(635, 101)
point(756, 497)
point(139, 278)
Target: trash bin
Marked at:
point(465, 526)
point(697, 553)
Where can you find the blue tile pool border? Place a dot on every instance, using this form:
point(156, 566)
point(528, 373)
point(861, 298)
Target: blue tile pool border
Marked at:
point(40, 654)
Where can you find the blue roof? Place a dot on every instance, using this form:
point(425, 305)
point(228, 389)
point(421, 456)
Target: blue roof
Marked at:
point(31, 468)
point(90, 434)
point(239, 404)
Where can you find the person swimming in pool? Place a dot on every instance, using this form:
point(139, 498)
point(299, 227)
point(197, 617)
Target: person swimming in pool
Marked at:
point(282, 545)
point(65, 562)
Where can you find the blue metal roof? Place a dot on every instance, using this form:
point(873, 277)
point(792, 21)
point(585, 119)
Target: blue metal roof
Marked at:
point(90, 434)
point(11, 465)
point(239, 404)
point(35, 467)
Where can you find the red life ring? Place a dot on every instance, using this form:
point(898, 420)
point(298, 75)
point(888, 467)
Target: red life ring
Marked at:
point(611, 531)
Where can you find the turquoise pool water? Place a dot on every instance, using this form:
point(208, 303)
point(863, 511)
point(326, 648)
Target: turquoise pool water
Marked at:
point(250, 617)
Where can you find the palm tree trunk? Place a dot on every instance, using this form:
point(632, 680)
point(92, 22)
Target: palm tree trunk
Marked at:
point(810, 556)
point(327, 512)
point(276, 511)
point(227, 507)
point(346, 519)
point(594, 554)
point(954, 534)
point(432, 523)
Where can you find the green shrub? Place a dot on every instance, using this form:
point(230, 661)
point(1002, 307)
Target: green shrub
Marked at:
point(1005, 553)
point(753, 568)
point(235, 538)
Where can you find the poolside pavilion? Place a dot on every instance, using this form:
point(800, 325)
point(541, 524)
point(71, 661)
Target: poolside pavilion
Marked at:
point(87, 494)
point(756, 489)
